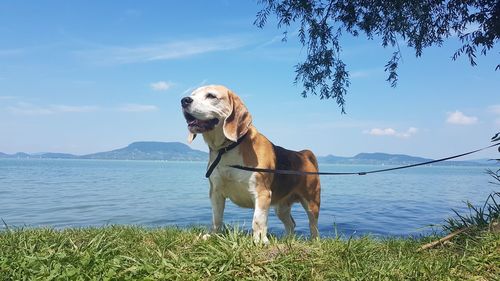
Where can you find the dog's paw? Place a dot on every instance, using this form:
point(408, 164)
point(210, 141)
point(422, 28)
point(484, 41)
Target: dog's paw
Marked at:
point(203, 237)
point(257, 240)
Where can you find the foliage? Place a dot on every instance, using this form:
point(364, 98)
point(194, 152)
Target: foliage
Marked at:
point(479, 217)
point(136, 253)
point(496, 139)
point(419, 24)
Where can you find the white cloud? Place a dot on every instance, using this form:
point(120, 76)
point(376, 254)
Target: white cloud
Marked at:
point(29, 109)
point(458, 118)
point(382, 132)
point(279, 38)
point(161, 85)
point(495, 109)
point(363, 73)
point(72, 108)
point(137, 108)
point(392, 132)
point(161, 51)
point(23, 108)
point(7, 97)
point(190, 89)
point(412, 130)
point(359, 74)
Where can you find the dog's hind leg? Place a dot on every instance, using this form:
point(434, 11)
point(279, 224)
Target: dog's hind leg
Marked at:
point(312, 209)
point(283, 211)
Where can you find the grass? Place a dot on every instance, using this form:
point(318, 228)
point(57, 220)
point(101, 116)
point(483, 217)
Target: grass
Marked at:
point(137, 253)
point(129, 252)
point(478, 217)
point(487, 216)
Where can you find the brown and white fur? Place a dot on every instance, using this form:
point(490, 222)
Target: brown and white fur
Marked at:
point(222, 118)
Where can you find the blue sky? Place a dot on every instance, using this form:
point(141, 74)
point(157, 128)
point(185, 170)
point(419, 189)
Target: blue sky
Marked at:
point(88, 76)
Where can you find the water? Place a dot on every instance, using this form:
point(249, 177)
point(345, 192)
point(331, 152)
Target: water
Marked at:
point(79, 193)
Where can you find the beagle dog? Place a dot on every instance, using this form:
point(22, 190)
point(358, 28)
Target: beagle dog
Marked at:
point(222, 118)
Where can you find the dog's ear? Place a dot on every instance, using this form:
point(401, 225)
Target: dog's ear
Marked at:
point(237, 123)
point(191, 137)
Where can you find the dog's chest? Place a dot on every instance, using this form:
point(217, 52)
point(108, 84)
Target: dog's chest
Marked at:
point(238, 186)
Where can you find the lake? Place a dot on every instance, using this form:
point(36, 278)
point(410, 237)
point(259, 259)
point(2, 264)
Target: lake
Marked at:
point(81, 193)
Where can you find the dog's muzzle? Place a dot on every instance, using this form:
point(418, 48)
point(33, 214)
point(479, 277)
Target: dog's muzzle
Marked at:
point(185, 102)
point(196, 125)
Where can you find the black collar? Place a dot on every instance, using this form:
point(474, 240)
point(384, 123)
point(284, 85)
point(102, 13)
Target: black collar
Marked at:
point(220, 153)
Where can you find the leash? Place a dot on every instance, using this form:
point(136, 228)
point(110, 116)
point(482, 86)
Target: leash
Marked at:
point(302, 173)
point(221, 152)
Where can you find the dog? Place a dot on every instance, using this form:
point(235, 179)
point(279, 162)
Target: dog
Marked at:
point(220, 115)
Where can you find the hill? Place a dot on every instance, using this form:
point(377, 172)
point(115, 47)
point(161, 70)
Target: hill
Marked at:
point(174, 151)
point(378, 158)
point(144, 150)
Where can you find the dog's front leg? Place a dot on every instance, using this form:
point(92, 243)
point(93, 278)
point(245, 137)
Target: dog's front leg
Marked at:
point(218, 203)
point(261, 212)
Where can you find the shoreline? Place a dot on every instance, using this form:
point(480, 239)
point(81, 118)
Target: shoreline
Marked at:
point(465, 163)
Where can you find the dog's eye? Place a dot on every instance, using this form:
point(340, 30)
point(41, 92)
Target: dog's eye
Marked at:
point(210, 96)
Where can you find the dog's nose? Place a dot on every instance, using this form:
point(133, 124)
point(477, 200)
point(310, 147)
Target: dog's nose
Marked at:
point(186, 101)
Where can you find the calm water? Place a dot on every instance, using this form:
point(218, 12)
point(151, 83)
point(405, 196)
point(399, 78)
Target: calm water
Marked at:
point(78, 193)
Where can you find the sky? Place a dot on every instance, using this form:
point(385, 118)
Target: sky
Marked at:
point(88, 76)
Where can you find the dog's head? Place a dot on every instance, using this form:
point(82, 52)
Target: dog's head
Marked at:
point(211, 106)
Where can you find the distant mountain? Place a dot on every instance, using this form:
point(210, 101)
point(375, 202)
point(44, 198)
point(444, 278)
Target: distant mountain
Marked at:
point(333, 159)
point(58, 155)
point(389, 158)
point(146, 150)
point(150, 150)
point(22, 155)
point(176, 151)
point(378, 158)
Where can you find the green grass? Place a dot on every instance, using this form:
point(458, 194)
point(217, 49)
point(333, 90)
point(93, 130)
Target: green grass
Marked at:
point(127, 252)
point(478, 217)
